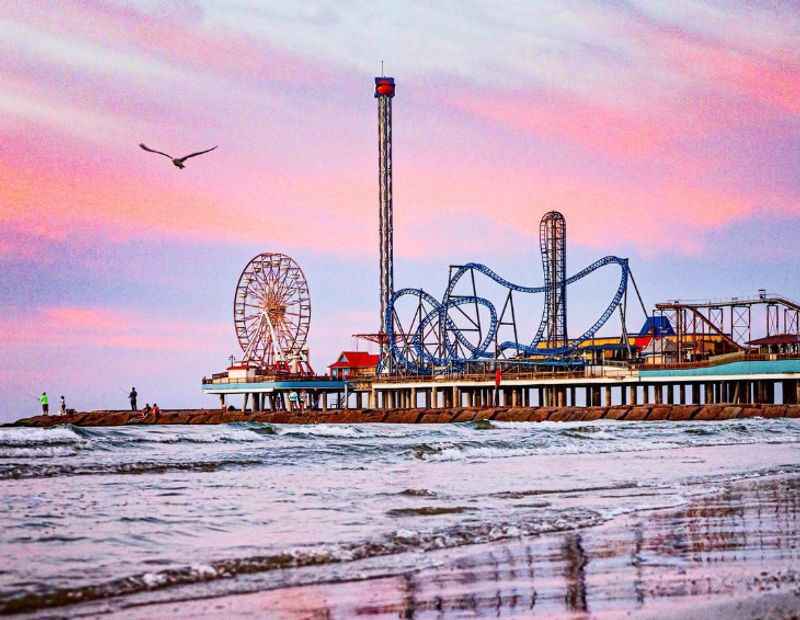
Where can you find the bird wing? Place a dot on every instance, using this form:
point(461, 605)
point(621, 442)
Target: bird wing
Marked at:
point(149, 150)
point(185, 157)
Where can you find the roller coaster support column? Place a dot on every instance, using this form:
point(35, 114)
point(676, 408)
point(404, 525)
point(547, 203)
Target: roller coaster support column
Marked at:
point(384, 92)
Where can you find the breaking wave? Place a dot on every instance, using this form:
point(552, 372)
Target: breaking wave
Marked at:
point(398, 542)
point(15, 471)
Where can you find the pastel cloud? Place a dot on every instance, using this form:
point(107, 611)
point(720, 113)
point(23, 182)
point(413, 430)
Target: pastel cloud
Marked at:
point(125, 62)
point(99, 327)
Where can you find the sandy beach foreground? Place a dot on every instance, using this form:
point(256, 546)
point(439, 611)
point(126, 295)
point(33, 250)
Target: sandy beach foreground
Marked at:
point(731, 554)
point(505, 519)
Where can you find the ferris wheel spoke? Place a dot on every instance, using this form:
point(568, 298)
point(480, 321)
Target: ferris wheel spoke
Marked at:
point(249, 317)
point(282, 285)
point(265, 279)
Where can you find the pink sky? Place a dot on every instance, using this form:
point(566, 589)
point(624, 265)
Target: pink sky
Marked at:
point(667, 134)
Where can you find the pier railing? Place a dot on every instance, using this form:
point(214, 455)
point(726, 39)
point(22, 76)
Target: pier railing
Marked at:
point(722, 359)
point(224, 380)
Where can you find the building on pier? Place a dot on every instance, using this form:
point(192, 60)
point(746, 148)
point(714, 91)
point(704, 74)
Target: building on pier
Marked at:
point(354, 365)
point(777, 344)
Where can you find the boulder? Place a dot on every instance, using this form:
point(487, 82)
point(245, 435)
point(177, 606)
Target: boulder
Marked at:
point(660, 412)
point(683, 412)
point(561, 414)
point(710, 412)
point(484, 414)
point(589, 414)
point(793, 411)
point(728, 413)
point(495, 411)
point(545, 413)
point(617, 413)
point(437, 417)
point(466, 415)
point(234, 416)
point(515, 414)
point(398, 416)
point(278, 417)
point(750, 411)
point(774, 411)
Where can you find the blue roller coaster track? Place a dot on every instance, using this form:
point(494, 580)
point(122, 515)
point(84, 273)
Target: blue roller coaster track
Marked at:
point(453, 349)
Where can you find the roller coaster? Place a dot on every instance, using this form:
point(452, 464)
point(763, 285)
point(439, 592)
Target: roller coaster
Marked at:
point(450, 334)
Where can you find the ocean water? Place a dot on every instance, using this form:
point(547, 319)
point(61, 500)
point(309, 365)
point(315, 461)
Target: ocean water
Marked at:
point(98, 519)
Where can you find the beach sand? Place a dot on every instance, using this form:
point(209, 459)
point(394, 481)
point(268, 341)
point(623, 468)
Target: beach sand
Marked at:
point(730, 554)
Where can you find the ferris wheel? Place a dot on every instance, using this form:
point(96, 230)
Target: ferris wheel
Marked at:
point(272, 314)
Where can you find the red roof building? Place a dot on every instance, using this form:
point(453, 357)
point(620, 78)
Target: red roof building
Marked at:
point(354, 364)
point(777, 339)
point(778, 343)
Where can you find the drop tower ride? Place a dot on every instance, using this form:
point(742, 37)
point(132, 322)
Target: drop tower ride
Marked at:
point(384, 92)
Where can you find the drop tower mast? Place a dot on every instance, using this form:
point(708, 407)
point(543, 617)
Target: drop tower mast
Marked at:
point(384, 92)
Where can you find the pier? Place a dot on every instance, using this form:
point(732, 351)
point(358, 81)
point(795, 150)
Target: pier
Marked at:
point(745, 382)
point(741, 382)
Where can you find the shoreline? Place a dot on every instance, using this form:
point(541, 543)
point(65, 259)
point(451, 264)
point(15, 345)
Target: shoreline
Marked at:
point(642, 413)
point(732, 552)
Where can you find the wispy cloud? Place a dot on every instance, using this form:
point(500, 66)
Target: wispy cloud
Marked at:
point(100, 327)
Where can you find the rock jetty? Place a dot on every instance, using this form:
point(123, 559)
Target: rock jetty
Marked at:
point(645, 413)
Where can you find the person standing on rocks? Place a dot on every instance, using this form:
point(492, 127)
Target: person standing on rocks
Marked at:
point(43, 401)
point(63, 406)
point(132, 396)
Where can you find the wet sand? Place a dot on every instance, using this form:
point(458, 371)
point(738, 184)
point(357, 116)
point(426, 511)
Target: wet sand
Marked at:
point(733, 554)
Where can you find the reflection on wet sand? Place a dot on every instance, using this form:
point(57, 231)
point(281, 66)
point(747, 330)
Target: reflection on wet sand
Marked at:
point(742, 542)
point(575, 573)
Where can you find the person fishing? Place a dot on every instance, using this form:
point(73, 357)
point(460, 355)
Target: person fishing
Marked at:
point(63, 406)
point(132, 396)
point(45, 404)
point(156, 411)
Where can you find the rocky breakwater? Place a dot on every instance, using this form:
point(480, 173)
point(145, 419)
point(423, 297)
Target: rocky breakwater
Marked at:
point(644, 413)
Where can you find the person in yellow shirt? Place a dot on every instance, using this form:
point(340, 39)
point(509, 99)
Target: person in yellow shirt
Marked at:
point(45, 403)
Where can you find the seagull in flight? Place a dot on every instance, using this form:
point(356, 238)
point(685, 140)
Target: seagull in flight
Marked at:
point(178, 161)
